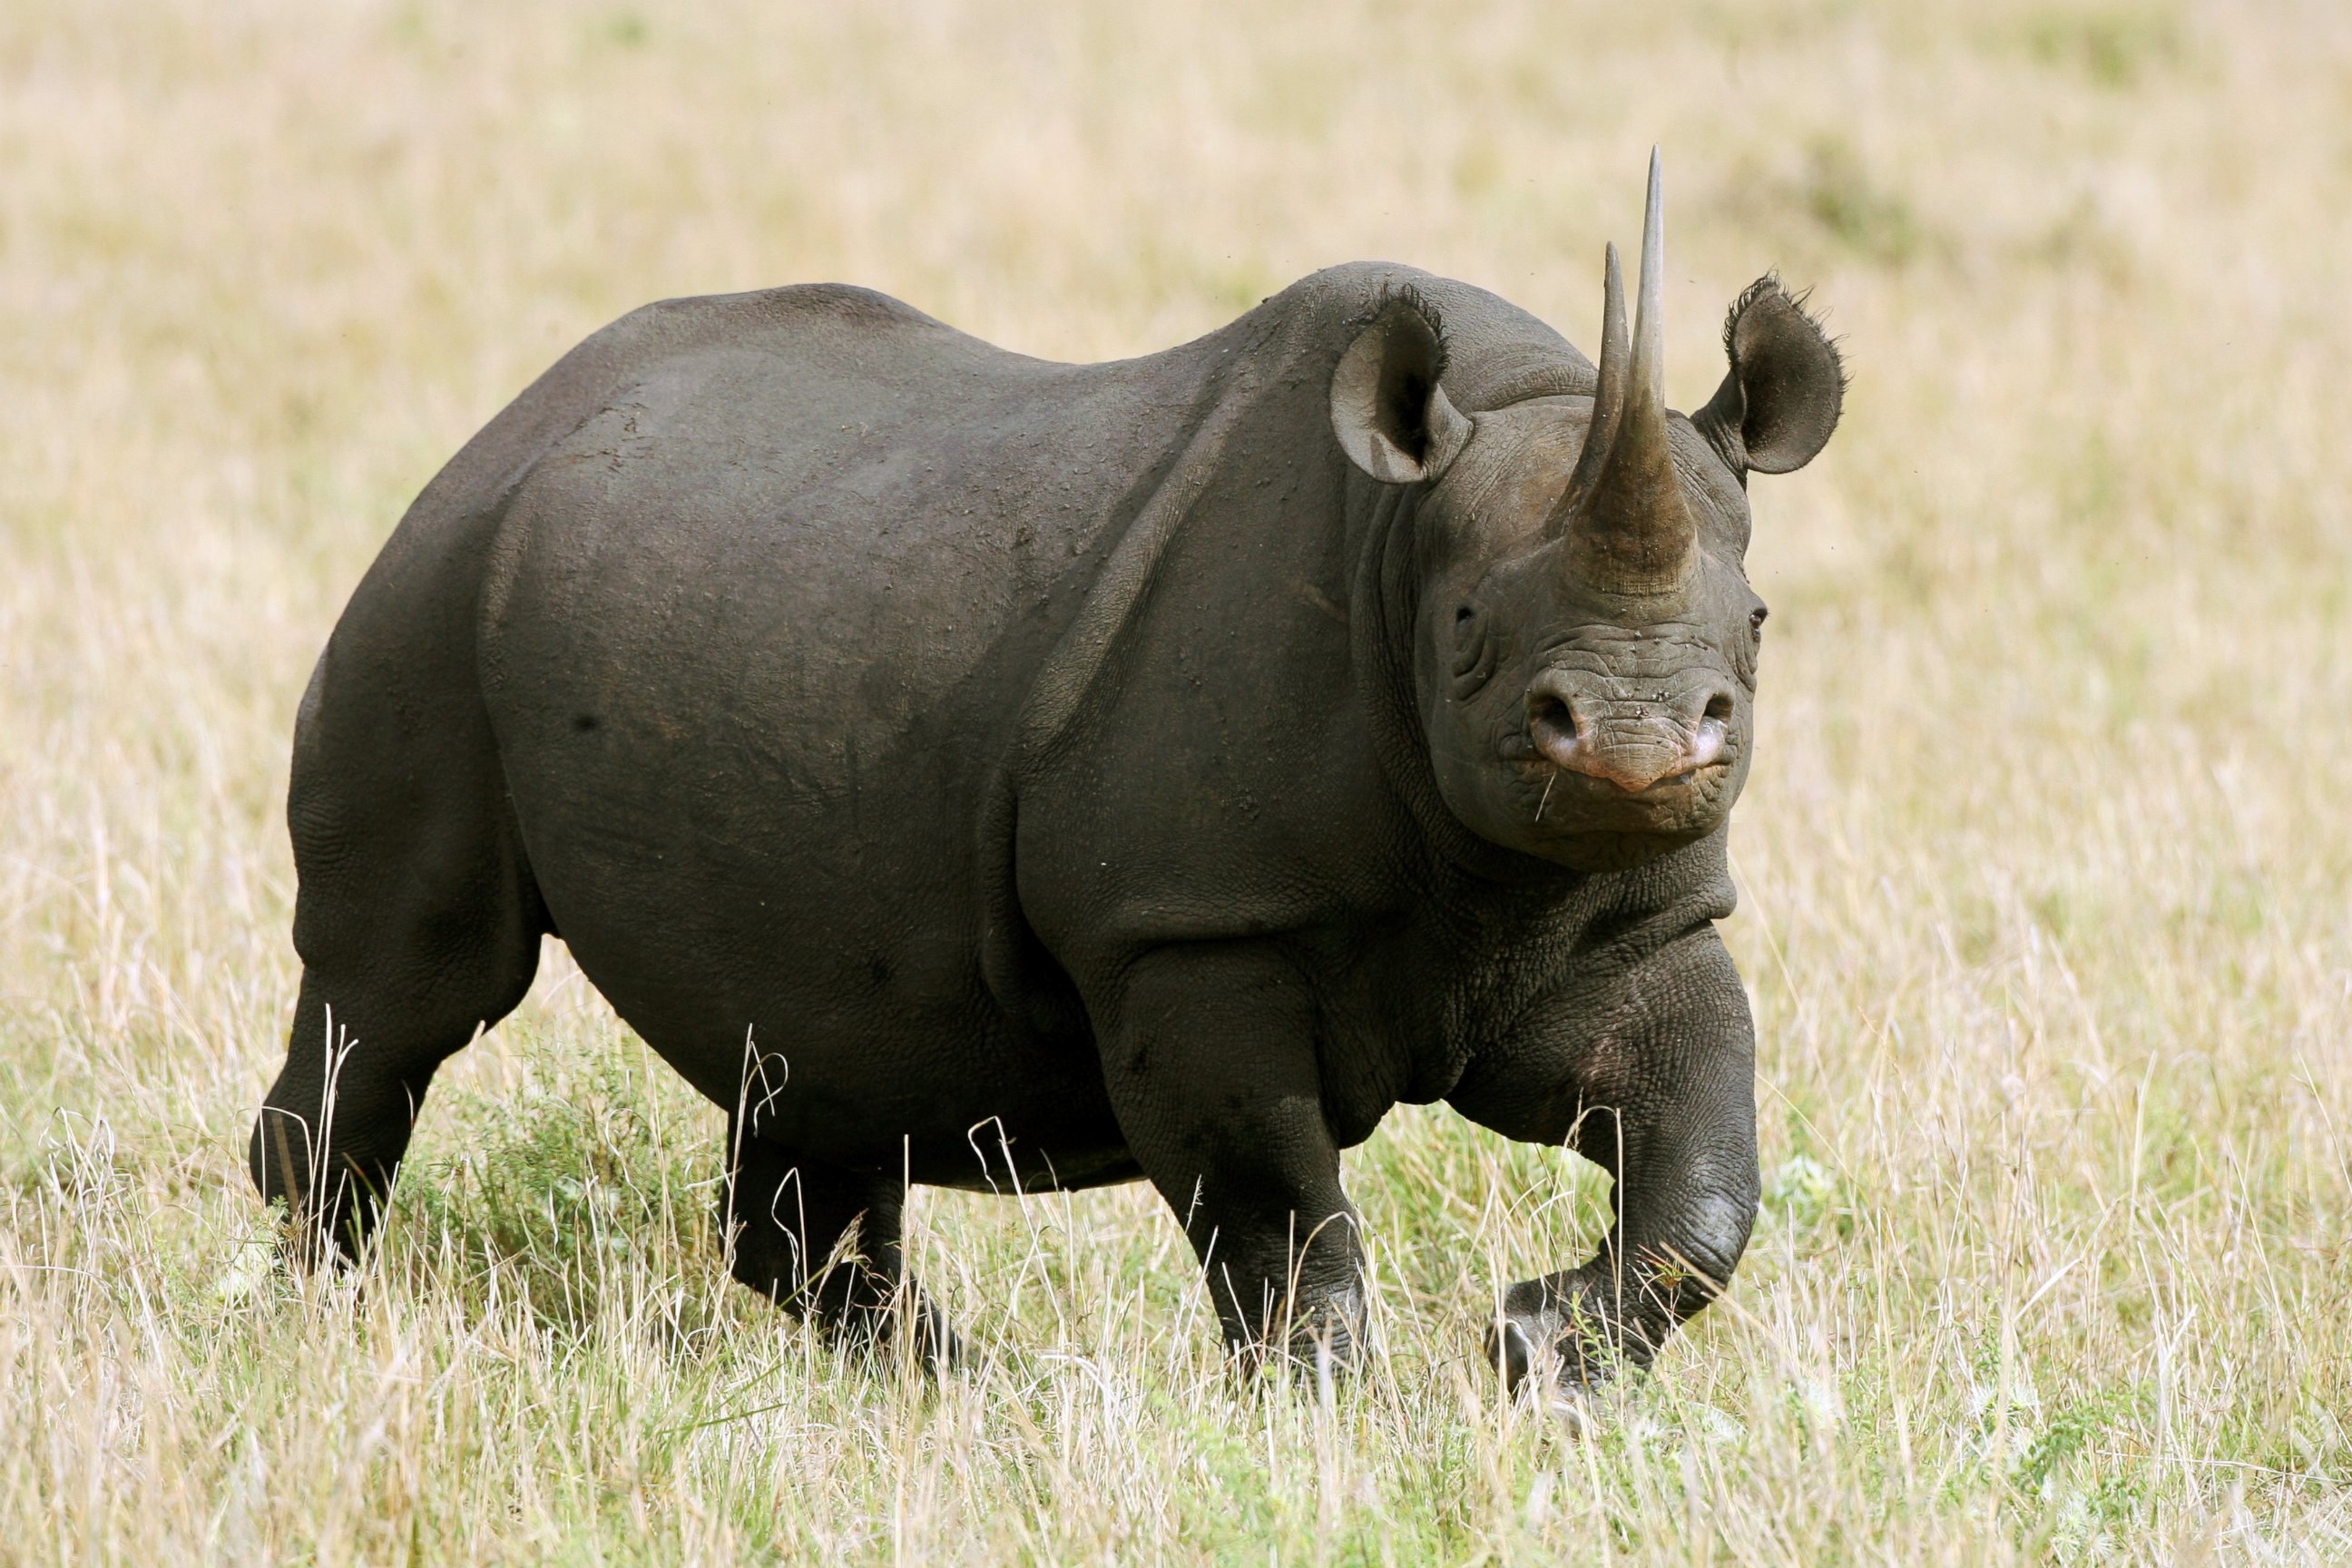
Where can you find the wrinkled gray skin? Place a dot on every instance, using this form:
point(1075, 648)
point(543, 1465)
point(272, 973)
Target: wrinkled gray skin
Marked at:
point(990, 773)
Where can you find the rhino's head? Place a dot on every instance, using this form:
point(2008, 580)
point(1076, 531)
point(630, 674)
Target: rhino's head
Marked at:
point(1585, 637)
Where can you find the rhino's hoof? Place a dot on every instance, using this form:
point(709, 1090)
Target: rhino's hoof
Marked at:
point(1561, 1362)
point(1544, 1332)
point(932, 1340)
point(911, 1327)
point(1315, 1348)
point(1511, 1351)
point(1323, 1357)
point(1521, 1346)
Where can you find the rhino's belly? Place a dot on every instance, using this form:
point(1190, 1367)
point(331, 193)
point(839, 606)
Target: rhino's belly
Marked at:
point(797, 963)
point(747, 754)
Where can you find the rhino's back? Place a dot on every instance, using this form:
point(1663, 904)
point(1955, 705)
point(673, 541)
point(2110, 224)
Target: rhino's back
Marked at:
point(755, 634)
point(818, 500)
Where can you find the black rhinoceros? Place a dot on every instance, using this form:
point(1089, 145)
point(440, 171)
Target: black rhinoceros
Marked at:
point(974, 769)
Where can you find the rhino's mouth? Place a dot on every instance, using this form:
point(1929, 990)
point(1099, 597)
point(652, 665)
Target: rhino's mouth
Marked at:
point(1561, 794)
point(1657, 792)
point(1629, 749)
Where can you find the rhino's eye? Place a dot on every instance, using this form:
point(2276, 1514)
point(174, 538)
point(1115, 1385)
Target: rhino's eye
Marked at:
point(1474, 652)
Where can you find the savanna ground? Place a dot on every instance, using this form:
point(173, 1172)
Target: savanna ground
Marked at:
point(2043, 866)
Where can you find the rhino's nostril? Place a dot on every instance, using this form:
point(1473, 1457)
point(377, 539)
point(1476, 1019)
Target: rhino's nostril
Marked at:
point(1713, 731)
point(1551, 726)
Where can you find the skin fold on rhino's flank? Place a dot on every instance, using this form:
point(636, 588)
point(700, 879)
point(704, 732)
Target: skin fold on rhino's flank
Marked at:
point(974, 769)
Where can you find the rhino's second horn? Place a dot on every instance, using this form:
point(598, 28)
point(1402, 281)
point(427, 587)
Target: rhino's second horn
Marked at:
point(1627, 529)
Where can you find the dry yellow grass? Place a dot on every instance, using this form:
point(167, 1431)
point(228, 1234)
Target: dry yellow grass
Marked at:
point(2044, 861)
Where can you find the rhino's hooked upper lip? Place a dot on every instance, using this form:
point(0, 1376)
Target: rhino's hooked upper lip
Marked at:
point(1634, 740)
point(1635, 753)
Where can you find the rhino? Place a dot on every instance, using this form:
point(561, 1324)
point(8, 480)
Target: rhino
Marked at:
point(977, 771)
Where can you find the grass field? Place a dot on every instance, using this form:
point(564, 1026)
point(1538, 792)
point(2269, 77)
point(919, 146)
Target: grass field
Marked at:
point(2044, 862)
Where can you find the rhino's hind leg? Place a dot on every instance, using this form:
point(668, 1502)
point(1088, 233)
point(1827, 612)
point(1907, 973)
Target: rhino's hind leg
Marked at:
point(418, 922)
point(372, 1024)
point(823, 1242)
point(331, 1132)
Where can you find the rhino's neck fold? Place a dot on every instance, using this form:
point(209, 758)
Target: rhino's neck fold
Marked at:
point(1118, 590)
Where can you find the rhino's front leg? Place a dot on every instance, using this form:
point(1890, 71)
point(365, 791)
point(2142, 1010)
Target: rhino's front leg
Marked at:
point(1209, 1056)
point(1659, 1090)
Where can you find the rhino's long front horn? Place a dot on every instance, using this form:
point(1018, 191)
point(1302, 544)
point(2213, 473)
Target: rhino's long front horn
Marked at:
point(1627, 529)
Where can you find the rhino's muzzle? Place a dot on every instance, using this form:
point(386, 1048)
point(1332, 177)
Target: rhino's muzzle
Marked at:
point(1634, 742)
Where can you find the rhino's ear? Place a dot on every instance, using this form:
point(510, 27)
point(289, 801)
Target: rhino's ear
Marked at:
point(1787, 386)
point(1393, 418)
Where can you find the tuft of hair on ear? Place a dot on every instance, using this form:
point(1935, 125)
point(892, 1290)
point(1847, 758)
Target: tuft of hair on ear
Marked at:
point(1785, 388)
point(1799, 302)
point(1410, 296)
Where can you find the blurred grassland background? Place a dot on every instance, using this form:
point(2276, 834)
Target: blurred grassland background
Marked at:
point(2044, 862)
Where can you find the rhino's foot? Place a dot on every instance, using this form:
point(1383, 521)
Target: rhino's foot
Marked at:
point(1315, 1344)
point(1569, 1331)
point(779, 1214)
point(909, 1324)
point(316, 1231)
